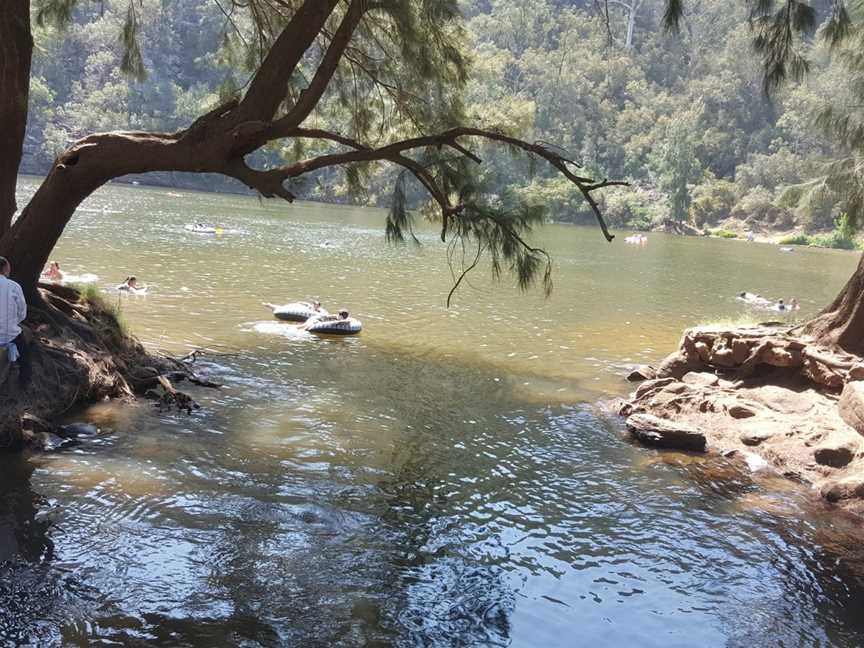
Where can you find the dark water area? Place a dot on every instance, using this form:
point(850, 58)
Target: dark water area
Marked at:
point(448, 478)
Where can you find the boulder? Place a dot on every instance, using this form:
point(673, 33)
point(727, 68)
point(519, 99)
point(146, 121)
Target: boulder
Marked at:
point(651, 385)
point(675, 388)
point(676, 365)
point(700, 379)
point(643, 372)
point(851, 405)
point(755, 437)
point(661, 433)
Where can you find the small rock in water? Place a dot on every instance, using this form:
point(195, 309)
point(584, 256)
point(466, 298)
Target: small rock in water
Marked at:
point(661, 433)
point(74, 430)
point(643, 372)
point(47, 442)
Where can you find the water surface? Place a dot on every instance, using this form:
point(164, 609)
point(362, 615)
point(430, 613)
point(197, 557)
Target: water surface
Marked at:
point(451, 477)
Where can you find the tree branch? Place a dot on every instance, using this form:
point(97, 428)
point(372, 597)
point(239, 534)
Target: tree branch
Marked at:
point(394, 153)
point(270, 83)
point(310, 97)
point(270, 184)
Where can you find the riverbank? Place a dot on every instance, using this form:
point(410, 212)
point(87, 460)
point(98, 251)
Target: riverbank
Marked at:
point(81, 353)
point(765, 396)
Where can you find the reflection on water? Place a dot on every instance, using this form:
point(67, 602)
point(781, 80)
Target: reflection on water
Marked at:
point(442, 480)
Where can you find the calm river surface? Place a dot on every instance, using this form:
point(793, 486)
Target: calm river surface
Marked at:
point(448, 478)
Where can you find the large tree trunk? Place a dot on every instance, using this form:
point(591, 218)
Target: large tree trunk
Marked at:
point(16, 51)
point(842, 323)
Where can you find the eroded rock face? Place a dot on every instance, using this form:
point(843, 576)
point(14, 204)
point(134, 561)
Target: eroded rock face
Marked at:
point(851, 405)
point(739, 411)
point(843, 489)
point(776, 405)
point(834, 456)
point(654, 431)
point(782, 400)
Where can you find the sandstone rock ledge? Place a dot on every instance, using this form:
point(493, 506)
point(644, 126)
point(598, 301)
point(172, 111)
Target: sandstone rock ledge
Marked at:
point(760, 391)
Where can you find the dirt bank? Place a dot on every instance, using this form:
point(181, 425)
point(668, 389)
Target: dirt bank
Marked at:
point(765, 395)
point(80, 354)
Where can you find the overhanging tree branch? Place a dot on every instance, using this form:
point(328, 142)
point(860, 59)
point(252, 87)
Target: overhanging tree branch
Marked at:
point(394, 153)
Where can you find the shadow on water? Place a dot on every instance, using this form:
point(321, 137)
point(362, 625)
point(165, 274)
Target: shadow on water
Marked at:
point(27, 589)
point(431, 506)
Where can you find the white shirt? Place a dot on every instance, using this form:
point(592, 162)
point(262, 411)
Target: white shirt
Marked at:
point(13, 310)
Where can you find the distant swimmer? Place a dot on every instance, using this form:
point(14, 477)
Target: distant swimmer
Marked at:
point(753, 298)
point(53, 272)
point(131, 285)
point(794, 305)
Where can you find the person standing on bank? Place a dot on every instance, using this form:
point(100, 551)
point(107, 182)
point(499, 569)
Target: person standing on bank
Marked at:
point(13, 311)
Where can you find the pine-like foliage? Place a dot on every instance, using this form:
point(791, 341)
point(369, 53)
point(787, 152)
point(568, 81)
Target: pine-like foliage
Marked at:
point(402, 76)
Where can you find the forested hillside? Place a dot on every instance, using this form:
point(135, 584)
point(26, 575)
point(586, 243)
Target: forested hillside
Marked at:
point(683, 118)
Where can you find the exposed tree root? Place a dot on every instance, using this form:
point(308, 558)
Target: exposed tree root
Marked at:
point(82, 354)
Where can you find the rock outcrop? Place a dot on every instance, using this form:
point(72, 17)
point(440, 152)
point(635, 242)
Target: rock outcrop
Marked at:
point(763, 393)
point(661, 433)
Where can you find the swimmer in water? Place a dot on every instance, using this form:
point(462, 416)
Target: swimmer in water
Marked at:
point(130, 284)
point(53, 272)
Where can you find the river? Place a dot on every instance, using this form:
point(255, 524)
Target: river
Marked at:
point(450, 477)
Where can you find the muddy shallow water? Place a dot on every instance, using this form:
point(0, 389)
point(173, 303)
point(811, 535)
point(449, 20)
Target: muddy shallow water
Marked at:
point(448, 478)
